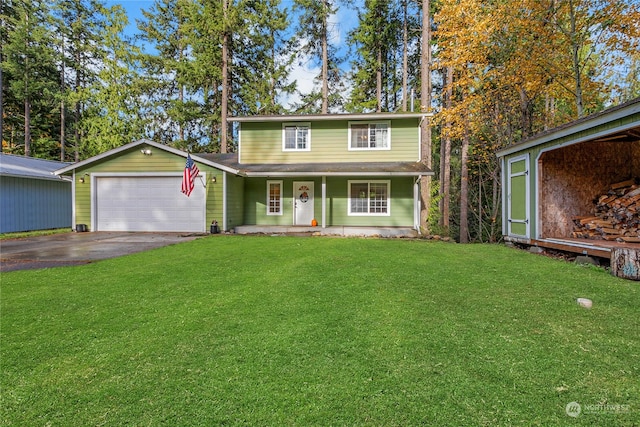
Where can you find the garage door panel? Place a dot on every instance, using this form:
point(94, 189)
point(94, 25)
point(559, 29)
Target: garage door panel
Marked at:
point(148, 204)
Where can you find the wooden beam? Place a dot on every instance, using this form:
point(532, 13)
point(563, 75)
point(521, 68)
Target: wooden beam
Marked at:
point(574, 248)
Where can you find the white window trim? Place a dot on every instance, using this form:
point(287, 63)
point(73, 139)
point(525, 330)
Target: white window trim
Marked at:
point(368, 182)
point(280, 183)
point(296, 124)
point(374, 122)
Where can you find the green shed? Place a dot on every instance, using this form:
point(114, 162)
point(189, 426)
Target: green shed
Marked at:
point(554, 184)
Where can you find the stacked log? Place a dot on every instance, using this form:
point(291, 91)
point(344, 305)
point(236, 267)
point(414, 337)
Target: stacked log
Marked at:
point(616, 215)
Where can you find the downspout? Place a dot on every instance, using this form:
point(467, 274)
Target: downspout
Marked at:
point(73, 200)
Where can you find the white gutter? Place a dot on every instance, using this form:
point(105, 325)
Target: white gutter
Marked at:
point(294, 174)
point(329, 117)
point(569, 130)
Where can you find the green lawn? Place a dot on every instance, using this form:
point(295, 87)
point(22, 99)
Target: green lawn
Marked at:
point(268, 331)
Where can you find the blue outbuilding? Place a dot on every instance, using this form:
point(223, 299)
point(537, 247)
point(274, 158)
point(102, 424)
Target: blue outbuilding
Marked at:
point(31, 196)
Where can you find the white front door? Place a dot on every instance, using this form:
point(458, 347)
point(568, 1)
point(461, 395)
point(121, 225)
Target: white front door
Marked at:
point(303, 203)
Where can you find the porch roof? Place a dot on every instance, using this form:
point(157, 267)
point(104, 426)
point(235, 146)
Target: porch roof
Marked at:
point(320, 169)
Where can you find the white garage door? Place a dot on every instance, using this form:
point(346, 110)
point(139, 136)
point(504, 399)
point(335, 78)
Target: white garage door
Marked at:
point(146, 203)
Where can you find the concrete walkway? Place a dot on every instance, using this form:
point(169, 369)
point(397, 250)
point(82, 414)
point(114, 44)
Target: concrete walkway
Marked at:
point(79, 248)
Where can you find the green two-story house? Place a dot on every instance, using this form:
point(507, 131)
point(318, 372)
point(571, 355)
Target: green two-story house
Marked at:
point(327, 171)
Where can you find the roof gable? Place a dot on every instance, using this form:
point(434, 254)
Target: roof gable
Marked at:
point(141, 142)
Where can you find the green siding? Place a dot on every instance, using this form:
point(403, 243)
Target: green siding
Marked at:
point(135, 162)
point(262, 143)
point(337, 203)
point(255, 207)
point(235, 200)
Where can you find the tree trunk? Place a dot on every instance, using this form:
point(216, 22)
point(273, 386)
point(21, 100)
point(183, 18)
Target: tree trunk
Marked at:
point(496, 203)
point(550, 111)
point(464, 189)
point(181, 95)
point(625, 263)
point(225, 80)
point(62, 107)
point(445, 157)
point(379, 80)
point(77, 109)
point(27, 126)
point(425, 101)
point(405, 55)
point(325, 60)
point(480, 219)
point(63, 120)
point(576, 61)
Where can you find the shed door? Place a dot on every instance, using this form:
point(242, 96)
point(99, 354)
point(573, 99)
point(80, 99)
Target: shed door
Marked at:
point(518, 197)
point(148, 203)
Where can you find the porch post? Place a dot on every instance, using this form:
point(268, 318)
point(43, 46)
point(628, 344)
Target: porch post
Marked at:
point(224, 200)
point(416, 203)
point(324, 202)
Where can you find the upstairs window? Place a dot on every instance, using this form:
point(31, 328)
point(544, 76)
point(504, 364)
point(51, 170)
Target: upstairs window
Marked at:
point(296, 137)
point(369, 136)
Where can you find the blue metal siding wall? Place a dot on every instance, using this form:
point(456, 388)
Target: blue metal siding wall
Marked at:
point(34, 204)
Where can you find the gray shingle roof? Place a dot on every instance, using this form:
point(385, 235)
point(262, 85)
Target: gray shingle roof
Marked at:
point(29, 167)
point(318, 169)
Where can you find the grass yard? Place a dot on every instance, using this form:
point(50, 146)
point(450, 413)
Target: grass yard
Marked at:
point(271, 331)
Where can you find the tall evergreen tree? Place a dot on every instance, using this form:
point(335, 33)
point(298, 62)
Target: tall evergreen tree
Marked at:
point(28, 59)
point(172, 108)
point(313, 32)
point(112, 117)
point(79, 24)
point(262, 59)
point(204, 27)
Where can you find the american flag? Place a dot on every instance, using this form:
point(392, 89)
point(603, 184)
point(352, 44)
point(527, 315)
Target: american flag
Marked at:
point(189, 175)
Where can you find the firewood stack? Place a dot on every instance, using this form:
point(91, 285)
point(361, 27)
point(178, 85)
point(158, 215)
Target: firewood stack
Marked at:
point(617, 215)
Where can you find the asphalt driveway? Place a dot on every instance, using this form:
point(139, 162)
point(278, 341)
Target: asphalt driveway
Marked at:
point(79, 248)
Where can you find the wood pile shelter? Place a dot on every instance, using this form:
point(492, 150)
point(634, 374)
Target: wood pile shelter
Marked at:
point(560, 185)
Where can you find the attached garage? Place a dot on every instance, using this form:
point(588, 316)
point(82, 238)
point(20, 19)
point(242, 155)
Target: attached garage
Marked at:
point(137, 187)
point(148, 203)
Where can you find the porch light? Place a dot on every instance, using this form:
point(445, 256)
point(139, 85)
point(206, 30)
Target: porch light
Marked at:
point(213, 179)
point(81, 180)
point(146, 152)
